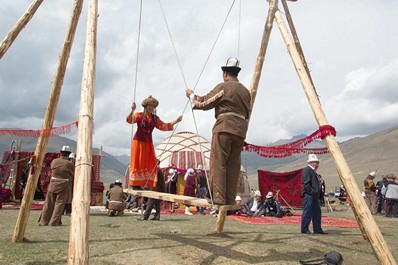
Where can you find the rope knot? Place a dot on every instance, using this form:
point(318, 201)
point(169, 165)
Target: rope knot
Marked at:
point(327, 130)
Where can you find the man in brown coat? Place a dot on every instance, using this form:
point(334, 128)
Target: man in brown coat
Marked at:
point(231, 103)
point(370, 192)
point(117, 199)
point(62, 171)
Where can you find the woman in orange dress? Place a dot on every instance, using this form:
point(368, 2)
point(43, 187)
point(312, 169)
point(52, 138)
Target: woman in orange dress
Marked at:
point(143, 163)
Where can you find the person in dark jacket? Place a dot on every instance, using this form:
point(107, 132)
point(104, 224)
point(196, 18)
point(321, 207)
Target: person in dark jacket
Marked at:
point(311, 189)
point(155, 203)
point(202, 187)
point(272, 207)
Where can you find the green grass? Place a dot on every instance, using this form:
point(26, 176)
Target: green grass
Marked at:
point(180, 239)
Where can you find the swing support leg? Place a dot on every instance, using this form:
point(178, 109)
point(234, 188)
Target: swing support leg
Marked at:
point(222, 213)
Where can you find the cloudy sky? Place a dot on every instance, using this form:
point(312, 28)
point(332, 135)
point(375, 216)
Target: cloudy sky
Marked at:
point(350, 47)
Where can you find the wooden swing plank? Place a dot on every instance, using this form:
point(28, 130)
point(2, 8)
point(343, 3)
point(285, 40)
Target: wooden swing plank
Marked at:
point(179, 199)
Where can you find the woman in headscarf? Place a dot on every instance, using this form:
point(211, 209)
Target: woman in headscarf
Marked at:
point(171, 185)
point(190, 187)
point(143, 163)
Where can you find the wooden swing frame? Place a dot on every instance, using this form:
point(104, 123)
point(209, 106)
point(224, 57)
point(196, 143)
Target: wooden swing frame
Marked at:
point(79, 232)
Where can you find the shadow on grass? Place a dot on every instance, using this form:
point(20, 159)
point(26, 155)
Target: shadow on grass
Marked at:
point(229, 253)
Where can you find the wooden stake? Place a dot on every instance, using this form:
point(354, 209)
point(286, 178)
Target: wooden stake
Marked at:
point(79, 231)
point(273, 6)
point(222, 213)
point(21, 23)
point(369, 225)
point(48, 122)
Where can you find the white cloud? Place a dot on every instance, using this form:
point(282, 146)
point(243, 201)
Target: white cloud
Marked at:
point(349, 47)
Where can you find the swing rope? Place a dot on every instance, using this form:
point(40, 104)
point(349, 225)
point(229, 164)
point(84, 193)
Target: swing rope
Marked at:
point(184, 79)
point(200, 75)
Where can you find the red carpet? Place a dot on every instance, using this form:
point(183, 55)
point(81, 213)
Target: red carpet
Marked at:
point(33, 207)
point(293, 220)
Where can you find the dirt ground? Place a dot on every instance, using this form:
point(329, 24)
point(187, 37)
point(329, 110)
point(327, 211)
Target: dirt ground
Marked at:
point(181, 239)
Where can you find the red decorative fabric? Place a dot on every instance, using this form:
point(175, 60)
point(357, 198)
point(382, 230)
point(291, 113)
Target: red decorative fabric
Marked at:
point(48, 132)
point(287, 183)
point(45, 174)
point(294, 220)
point(182, 160)
point(95, 176)
point(294, 147)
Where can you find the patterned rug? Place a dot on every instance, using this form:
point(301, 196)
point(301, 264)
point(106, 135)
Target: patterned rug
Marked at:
point(293, 220)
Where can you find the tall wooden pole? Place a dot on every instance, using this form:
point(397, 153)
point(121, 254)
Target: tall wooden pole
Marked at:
point(21, 23)
point(79, 230)
point(273, 6)
point(369, 225)
point(48, 122)
point(295, 37)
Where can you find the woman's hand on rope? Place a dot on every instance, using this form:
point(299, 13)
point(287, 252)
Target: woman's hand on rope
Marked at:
point(133, 106)
point(177, 120)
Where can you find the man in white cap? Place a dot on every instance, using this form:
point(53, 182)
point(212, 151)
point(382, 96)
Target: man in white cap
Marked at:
point(62, 171)
point(272, 206)
point(370, 192)
point(117, 199)
point(231, 102)
point(254, 206)
point(311, 189)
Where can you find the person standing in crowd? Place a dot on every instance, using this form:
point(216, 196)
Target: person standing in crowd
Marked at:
point(391, 196)
point(322, 193)
point(171, 185)
point(117, 199)
point(202, 187)
point(155, 203)
point(143, 165)
point(68, 204)
point(190, 187)
point(254, 206)
point(380, 186)
point(272, 206)
point(62, 171)
point(311, 189)
point(231, 102)
point(370, 192)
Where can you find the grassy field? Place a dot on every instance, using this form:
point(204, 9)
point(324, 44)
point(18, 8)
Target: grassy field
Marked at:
point(181, 239)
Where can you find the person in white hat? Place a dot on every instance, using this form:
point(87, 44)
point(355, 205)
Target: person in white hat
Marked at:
point(171, 186)
point(370, 192)
point(311, 190)
point(68, 203)
point(254, 206)
point(191, 184)
point(117, 199)
point(231, 103)
point(62, 171)
point(272, 206)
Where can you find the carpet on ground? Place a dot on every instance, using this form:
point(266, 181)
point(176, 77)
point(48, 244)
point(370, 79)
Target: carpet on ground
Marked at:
point(294, 220)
